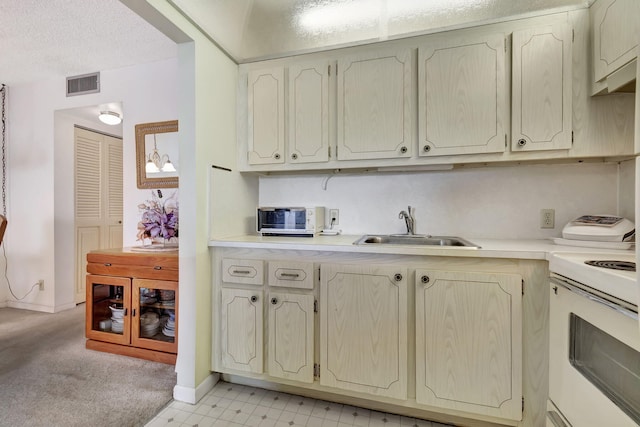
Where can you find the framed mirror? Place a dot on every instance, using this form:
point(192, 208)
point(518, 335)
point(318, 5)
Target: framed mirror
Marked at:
point(157, 160)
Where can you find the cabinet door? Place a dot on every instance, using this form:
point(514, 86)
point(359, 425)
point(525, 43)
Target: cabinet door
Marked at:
point(616, 31)
point(462, 102)
point(308, 113)
point(108, 314)
point(241, 323)
point(469, 342)
point(363, 329)
point(375, 106)
point(291, 336)
point(266, 116)
point(154, 315)
point(542, 91)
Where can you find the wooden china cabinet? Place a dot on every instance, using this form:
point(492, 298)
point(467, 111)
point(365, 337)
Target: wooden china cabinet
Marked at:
point(132, 303)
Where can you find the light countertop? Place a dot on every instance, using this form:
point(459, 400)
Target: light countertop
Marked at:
point(489, 248)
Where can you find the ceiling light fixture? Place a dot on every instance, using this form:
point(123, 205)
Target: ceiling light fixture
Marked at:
point(158, 163)
point(110, 117)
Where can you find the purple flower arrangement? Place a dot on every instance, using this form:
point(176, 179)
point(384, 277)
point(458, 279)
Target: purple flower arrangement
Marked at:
point(159, 217)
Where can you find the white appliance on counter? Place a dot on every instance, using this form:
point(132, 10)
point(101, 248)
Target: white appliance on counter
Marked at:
point(594, 341)
point(598, 231)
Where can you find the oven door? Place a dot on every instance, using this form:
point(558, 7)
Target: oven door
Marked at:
point(594, 358)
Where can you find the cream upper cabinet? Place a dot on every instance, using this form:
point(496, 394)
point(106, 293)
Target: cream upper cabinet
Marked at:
point(616, 32)
point(462, 98)
point(541, 89)
point(363, 329)
point(374, 105)
point(308, 112)
point(469, 342)
point(291, 336)
point(265, 93)
point(241, 330)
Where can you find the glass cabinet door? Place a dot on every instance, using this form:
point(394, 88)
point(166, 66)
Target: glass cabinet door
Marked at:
point(108, 313)
point(155, 314)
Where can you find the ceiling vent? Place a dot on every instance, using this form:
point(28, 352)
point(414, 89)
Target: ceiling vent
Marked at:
point(84, 84)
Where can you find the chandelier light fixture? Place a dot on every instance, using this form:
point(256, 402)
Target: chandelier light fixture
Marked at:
point(110, 117)
point(158, 163)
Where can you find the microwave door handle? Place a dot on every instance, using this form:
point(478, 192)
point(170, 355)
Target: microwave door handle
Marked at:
point(595, 298)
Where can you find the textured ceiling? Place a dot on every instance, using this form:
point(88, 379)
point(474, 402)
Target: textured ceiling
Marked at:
point(41, 39)
point(256, 29)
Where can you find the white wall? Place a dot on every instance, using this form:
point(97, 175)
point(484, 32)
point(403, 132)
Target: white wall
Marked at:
point(40, 185)
point(491, 202)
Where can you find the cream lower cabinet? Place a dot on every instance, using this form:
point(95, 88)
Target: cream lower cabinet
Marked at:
point(242, 325)
point(363, 329)
point(291, 329)
point(289, 317)
point(469, 342)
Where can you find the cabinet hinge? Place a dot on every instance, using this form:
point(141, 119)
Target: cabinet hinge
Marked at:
point(523, 287)
point(316, 370)
point(329, 70)
point(505, 141)
point(315, 305)
point(571, 137)
point(573, 35)
point(329, 151)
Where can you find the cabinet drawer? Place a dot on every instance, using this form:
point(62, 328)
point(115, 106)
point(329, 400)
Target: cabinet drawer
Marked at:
point(291, 274)
point(157, 272)
point(243, 271)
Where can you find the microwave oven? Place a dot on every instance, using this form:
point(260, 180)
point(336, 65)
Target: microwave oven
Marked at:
point(289, 221)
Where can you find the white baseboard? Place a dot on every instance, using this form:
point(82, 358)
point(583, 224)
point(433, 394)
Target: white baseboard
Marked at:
point(193, 395)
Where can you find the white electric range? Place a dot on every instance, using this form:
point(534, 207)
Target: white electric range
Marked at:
point(620, 284)
point(594, 341)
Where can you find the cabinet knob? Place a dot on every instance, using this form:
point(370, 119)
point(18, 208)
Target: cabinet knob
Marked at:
point(276, 156)
point(403, 149)
point(424, 279)
point(397, 277)
point(254, 298)
point(426, 148)
point(274, 300)
point(522, 142)
point(294, 156)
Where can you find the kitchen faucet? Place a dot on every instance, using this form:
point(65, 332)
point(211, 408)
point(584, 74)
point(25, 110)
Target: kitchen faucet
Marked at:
point(408, 219)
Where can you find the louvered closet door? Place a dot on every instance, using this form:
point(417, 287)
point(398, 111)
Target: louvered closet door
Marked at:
point(98, 198)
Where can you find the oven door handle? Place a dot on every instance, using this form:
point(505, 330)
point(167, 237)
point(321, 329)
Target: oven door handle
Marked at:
point(612, 305)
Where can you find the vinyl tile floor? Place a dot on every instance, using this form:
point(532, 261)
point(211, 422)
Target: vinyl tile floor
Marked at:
point(232, 405)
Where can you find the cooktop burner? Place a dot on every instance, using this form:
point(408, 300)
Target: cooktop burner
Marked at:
point(614, 265)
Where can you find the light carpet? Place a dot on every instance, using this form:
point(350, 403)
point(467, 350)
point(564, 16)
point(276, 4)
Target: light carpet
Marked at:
point(48, 378)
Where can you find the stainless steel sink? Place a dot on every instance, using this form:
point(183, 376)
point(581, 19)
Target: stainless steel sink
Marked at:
point(414, 240)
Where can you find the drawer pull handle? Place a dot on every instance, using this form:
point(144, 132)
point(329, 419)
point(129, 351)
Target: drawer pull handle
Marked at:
point(125, 311)
point(254, 298)
point(133, 312)
point(292, 275)
point(241, 272)
point(107, 264)
point(157, 267)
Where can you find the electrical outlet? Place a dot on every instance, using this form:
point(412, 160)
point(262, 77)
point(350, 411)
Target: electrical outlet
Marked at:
point(547, 218)
point(334, 217)
point(41, 283)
